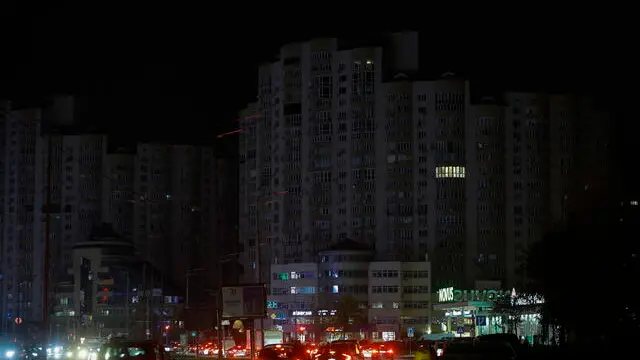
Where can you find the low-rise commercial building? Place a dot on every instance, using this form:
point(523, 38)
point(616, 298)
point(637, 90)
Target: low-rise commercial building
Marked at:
point(114, 293)
point(483, 311)
point(385, 299)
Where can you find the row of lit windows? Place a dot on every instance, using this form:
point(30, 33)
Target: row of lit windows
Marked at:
point(450, 172)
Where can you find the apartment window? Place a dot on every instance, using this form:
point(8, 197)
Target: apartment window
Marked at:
point(450, 172)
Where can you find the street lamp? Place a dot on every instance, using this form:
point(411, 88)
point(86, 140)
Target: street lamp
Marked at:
point(259, 244)
point(167, 329)
point(259, 224)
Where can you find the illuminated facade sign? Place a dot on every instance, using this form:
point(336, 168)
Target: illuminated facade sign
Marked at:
point(445, 295)
point(454, 295)
point(301, 313)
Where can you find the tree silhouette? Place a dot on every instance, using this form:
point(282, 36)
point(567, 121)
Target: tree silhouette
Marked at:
point(348, 314)
point(504, 306)
point(573, 263)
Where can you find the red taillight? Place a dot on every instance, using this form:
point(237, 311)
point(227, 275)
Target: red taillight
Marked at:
point(346, 357)
point(390, 351)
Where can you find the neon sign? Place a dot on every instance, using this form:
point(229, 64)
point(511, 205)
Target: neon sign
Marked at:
point(454, 295)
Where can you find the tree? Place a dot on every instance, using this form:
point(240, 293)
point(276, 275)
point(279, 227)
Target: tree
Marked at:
point(348, 314)
point(577, 259)
point(505, 307)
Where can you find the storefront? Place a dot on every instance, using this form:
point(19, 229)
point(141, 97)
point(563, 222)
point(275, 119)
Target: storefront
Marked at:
point(468, 313)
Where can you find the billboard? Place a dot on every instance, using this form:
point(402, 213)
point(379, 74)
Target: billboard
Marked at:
point(248, 301)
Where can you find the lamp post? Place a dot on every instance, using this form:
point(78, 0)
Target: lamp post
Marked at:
point(47, 234)
point(186, 301)
point(259, 244)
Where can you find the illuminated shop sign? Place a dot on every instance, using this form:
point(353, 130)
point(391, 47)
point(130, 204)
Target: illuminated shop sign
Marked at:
point(456, 313)
point(272, 304)
point(301, 313)
point(454, 295)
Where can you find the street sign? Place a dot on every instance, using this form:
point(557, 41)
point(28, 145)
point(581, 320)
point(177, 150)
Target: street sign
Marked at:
point(410, 332)
point(246, 302)
point(481, 321)
point(460, 329)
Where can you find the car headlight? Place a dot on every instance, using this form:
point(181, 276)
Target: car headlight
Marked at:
point(83, 354)
point(10, 353)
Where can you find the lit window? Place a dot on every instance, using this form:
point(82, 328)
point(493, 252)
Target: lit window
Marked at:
point(450, 172)
point(335, 289)
point(377, 305)
point(293, 290)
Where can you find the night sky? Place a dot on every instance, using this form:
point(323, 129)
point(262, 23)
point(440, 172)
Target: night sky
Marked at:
point(182, 70)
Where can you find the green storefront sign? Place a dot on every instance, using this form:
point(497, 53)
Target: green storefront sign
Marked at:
point(455, 295)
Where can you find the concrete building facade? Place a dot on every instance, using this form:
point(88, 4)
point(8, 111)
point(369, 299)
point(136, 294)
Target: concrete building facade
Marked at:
point(392, 297)
point(347, 142)
point(163, 197)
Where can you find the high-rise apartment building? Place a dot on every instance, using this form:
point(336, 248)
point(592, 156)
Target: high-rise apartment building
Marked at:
point(351, 143)
point(162, 197)
point(174, 223)
point(21, 259)
point(76, 197)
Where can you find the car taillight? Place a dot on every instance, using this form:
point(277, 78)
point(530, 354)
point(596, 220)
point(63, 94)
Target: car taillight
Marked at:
point(346, 357)
point(390, 351)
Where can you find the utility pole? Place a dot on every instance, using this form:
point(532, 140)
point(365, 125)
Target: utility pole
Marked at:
point(259, 245)
point(186, 301)
point(148, 294)
point(47, 235)
point(218, 304)
point(126, 304)
point(259, 268)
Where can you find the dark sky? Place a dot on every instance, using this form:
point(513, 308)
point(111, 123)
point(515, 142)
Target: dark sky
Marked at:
point(196, 65)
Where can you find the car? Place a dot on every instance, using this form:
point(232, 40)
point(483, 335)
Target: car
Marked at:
point(34, 352)
point(9, 350)
point(282, 352)
point(479, 350)
point(238, 351)
point(340, 350)
point(138, 350)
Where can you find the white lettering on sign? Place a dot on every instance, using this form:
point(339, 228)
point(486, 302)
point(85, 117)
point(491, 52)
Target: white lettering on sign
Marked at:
point(302, 313)
point(445, 294)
